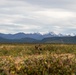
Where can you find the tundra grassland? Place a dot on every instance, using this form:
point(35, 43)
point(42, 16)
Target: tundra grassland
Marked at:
point(37, 59)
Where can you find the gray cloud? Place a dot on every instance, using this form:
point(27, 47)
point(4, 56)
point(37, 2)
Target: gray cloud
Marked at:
point(60, 4)
point(38, 16)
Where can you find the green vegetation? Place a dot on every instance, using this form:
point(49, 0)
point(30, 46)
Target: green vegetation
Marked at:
point(35, 59)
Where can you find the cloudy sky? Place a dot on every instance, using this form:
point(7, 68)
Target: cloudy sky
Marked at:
point(42, 16)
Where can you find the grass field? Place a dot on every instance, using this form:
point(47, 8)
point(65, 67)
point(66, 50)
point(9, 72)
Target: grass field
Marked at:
point(37, 59)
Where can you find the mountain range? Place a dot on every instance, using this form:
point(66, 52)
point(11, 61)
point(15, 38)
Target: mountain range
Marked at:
point(37, 38)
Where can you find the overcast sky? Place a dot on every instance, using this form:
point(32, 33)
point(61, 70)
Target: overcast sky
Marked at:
point(42, 16)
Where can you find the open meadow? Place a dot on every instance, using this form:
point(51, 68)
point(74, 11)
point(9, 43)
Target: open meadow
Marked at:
point(37, 59)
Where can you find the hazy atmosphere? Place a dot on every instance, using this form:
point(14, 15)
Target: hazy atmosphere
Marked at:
point(41, 16)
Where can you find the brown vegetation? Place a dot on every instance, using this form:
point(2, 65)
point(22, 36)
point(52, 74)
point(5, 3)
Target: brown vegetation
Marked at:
point(29, 59)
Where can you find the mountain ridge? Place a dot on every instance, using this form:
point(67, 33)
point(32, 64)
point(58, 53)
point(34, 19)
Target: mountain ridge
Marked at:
point(36, 38)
